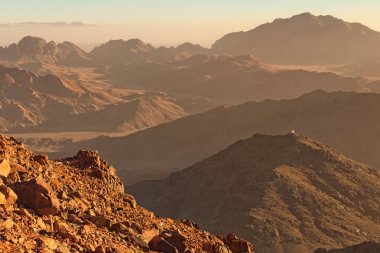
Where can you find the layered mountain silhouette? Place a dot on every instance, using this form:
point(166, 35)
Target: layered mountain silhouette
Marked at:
point(304, 39)
point(36, 50)
point(231, 79)
point(368, 68)
point(34, 53)
point(346, 121)
point(285, 193)
point(116, 52)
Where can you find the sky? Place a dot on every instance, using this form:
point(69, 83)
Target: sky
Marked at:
point(161, 22)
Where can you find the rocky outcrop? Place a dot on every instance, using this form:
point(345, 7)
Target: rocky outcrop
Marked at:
point(236, 244)
point(78, 205)
point(38, 195)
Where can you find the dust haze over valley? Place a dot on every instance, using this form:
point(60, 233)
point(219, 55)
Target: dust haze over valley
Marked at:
point(264, 141)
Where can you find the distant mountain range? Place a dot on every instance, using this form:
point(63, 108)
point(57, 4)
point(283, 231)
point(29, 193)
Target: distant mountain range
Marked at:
point(32, 52)
point(36, 50)
point(116, 52)
point(368, 68)
point(304, 39)
point(346, 121)
point(231, 79)
point(284, 193)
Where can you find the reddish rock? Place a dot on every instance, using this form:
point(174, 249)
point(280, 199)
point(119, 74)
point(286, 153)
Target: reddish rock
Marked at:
point(168, 241)
point(41, 159)
point(100, 249)
point(65, 230)
point(7, 196)
point(237, 245)
point(6, 224)
point(100, 221)
point(38, 195)
point(5, 168)
point(215, 248)
point(95, 215)
point(18, 168)
point(85, 159)
point(161, 245)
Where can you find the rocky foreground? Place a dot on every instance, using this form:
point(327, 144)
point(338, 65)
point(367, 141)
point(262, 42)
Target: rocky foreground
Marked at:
point(78, 204)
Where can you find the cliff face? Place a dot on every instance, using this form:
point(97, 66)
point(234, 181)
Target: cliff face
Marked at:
point(78, 204)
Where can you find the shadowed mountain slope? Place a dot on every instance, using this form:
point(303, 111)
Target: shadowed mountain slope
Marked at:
point(346, 121)
point(284, 193)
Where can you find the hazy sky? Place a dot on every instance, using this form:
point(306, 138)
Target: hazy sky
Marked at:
point(162, 22)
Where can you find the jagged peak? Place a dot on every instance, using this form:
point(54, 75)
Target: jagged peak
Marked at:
point(131, 43)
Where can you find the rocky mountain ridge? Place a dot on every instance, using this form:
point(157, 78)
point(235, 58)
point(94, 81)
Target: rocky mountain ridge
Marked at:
point(78, 204)
point(332, 118)
point(285, 193)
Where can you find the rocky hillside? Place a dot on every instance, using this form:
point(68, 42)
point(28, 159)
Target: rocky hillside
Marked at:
point(304, 39)
point(283, 193)
point(46, 103)
point(36, 50)
point(78, 204)
point(366, 247)
point(346, 121)
point(27, 98)
point(140, 113)
point(231, 79)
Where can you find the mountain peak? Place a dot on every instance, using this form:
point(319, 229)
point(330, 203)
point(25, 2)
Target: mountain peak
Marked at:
point(130, 44)
point(303, 39)
point(306, 16)
point(36, 50)
point(32, 45)
point(284, 193)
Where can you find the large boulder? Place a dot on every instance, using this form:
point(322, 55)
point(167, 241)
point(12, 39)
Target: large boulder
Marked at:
point(38, 195)
point(168, 241)
point(236, 244)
